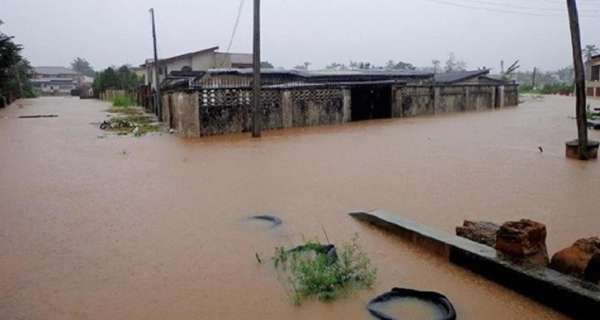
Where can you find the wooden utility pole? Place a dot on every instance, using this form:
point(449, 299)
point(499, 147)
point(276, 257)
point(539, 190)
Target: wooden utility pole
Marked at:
point(256, 103)
point(579, 80)
point(157, 96)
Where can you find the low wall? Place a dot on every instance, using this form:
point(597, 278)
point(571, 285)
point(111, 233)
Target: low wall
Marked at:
point(411, 101)
point(207, 112)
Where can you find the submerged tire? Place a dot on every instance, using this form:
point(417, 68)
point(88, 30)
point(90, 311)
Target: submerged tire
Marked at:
point(437, 300)
point(329, 250)
point(275, 221)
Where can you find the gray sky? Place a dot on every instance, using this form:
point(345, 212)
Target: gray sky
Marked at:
point(481, 32)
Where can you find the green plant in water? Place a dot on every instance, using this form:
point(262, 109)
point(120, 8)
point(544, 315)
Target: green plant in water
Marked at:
point(312, 272)
point(122, 101)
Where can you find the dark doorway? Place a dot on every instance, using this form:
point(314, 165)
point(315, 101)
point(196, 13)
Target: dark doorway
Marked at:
point(371, 102)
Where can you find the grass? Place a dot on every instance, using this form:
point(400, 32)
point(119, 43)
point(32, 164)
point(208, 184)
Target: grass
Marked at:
point(122, 101)
point(132, 120)
point(311, 273)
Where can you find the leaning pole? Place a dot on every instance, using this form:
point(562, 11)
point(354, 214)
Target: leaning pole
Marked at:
point(582, 137)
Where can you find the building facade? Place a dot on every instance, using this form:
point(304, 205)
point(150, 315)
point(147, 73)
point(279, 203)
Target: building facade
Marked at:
point(195, 61)
point(55, 80)
point(593, 84)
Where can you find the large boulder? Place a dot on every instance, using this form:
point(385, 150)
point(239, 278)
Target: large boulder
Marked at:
point(575, 259)
point(479, 231)
point(523, 241)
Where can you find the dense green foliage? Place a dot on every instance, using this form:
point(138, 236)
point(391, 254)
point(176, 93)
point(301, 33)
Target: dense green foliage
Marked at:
point(123, 101)
point(15, 71)
point(554, 88)
point(119, 79)
point(318, 275)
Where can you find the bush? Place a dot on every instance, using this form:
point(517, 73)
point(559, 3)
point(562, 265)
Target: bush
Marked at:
point(123, 101)
point(318, 275)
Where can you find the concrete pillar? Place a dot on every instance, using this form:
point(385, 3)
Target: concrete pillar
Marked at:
point(437, 99)
point(188, 114)
point(501, 99)
point(493, 98)
point(468, 105)
point(287, 109)
point(347, 107)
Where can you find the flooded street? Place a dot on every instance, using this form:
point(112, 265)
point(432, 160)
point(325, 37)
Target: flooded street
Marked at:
point(155, 227)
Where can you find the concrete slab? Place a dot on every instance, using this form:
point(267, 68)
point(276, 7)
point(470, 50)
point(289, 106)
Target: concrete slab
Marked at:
point(564, 293)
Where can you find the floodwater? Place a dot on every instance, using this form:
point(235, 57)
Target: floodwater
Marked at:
point(155, 227)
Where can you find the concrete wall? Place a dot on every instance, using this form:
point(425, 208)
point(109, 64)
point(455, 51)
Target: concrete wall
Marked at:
point(411, 101)
point(221, 111)
point(185, 113)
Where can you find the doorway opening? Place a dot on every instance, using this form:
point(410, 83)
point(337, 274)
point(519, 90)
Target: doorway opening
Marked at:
point(371, 102)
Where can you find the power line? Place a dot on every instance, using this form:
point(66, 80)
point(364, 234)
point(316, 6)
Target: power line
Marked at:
point(516, 6)
point(235, 25)
point(510, 10)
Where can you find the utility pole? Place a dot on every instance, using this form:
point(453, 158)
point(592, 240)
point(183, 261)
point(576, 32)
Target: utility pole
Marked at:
point(533, 77)
point(157, 97)
point(579, 80)
point(256, 103)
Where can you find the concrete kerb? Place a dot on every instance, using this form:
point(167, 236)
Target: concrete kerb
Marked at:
point(562, 292)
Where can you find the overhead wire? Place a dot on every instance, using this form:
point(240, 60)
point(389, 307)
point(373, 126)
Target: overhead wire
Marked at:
point(236, 24)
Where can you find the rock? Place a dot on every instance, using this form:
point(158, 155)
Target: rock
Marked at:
point(479, 231)
point(524, 241)
point(592, 271)
point(574, 260)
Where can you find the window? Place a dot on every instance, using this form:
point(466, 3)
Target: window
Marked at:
point(596, 73)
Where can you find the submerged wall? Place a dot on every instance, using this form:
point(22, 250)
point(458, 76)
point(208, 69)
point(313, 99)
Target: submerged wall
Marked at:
point(209, 112)
point(410, 101)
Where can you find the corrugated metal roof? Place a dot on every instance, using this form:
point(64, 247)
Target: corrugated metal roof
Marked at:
point(54, 71)
point(457, 76)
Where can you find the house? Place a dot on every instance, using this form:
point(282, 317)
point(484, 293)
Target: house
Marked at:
point(593, 84)
point(219, 101)
point(55, 80)
point(196, 61)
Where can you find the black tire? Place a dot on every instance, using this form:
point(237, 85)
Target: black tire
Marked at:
point(436, 299)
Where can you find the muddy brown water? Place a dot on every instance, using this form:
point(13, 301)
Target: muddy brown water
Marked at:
point(154, 227)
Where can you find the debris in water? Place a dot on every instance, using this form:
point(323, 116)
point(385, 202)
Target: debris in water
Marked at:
point(541, 149)
point(37, 116)
point(273, 219)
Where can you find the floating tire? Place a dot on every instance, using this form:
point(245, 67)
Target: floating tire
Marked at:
point(104, 125)
point(437, 300)
point(326, 249)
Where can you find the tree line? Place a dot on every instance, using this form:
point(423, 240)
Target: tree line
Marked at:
point(15, 71)
point(122, 78)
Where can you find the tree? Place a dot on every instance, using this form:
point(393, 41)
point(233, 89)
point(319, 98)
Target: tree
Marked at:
point(453, 64)
point(266, 65)
point(303, 66)
point(15, 71)
point(82, 66)
point(336, 66)
point(119, 79)
point(589, 51)
point(391, 65)
point(436, 65)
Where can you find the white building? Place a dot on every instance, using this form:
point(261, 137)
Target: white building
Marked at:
point(197, 61)
point(55, 80)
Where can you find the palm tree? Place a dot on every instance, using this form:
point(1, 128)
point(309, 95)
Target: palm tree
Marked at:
point(589, 51)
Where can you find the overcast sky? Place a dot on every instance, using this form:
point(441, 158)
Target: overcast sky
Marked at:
point(481, 32)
